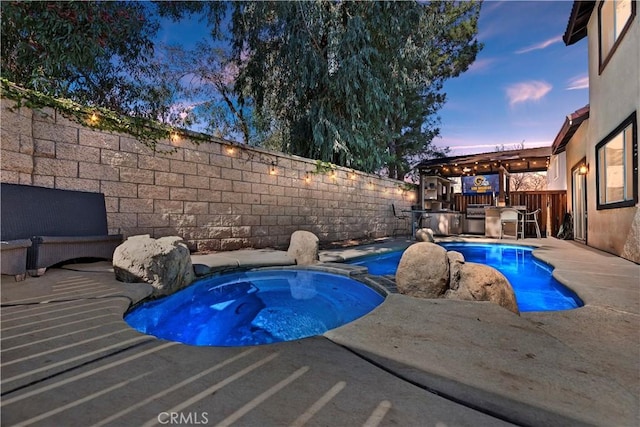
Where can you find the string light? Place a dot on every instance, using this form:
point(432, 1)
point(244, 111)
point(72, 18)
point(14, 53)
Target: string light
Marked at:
point(307, 177)
point(230, 149)
point(94, 118)
point(272, 171)
point(174, 137)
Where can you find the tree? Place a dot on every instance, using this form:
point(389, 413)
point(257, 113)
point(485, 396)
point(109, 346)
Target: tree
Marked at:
point(206, 78)
point(97, 53)
point(529, 181)
point(440, 45)
point(354, 83)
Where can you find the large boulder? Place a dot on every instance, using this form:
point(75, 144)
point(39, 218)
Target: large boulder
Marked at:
point(304, 247)
point(456, 261)
point(479, 282)
point(165, 263)
point(423, 271)
point(427, 270)
point(424, 235)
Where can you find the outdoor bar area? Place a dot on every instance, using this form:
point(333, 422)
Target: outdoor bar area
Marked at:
point(478, 208)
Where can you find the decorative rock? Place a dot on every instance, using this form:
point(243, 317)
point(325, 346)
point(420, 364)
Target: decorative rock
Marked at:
point(425, 235)
point(304, 247)
point(427, 270)
point(165, 263)
point(456, 260)
point(423, 271)
point(478, 282)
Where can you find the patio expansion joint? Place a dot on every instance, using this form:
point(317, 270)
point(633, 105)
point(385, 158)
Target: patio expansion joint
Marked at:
point(78, 366)
point(107, 297)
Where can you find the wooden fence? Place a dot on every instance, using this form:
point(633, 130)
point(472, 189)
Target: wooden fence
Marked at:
point(553, 205)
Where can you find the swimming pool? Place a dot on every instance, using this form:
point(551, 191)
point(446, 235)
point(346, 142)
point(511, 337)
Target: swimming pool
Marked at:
point(532, 282)
point(255, 307)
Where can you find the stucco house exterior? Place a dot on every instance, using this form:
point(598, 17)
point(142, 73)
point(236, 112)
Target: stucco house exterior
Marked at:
point(600, 141)
point(556, 178)
point(569, 154)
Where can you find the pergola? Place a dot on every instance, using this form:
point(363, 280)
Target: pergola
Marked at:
point(512, 161)
point(500, 162)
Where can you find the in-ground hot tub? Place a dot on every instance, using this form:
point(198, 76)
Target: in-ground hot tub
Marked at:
point(255, 307)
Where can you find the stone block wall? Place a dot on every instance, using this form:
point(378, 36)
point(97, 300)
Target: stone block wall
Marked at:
point(216, 195)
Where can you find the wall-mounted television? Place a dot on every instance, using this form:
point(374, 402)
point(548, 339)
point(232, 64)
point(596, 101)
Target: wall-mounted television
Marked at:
point(481, 184)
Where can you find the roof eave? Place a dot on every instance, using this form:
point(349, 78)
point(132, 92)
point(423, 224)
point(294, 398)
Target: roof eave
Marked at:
point(571, 124)
point(521, 160)
point(578, 20)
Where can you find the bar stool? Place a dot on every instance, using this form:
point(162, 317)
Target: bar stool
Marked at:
point(531, 218)
point(400, 219)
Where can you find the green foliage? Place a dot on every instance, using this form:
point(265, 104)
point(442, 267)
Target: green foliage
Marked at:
point(407, 186)
point(355, 83)
point(146, 131)
point(324, 167)
point(440, 46)
point(95, 52)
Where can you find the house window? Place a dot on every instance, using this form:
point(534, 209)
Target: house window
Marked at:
point(614, 17)
point(617, 166)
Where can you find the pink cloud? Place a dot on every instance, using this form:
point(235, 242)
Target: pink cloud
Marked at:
point(481, 65)
point(541, 45)
point(533, 90)
point(578, 82)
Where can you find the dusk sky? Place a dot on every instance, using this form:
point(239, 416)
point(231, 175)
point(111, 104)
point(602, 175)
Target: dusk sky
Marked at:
point(522, 85)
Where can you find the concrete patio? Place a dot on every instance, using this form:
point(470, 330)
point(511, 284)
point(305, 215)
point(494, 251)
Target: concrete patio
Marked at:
point(68, 358)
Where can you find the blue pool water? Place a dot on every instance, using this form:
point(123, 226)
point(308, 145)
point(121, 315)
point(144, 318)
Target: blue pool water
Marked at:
point(255, 307)
point(535, 288)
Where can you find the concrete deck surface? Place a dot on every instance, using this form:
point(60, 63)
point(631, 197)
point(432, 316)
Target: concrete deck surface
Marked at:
point(68, 358)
